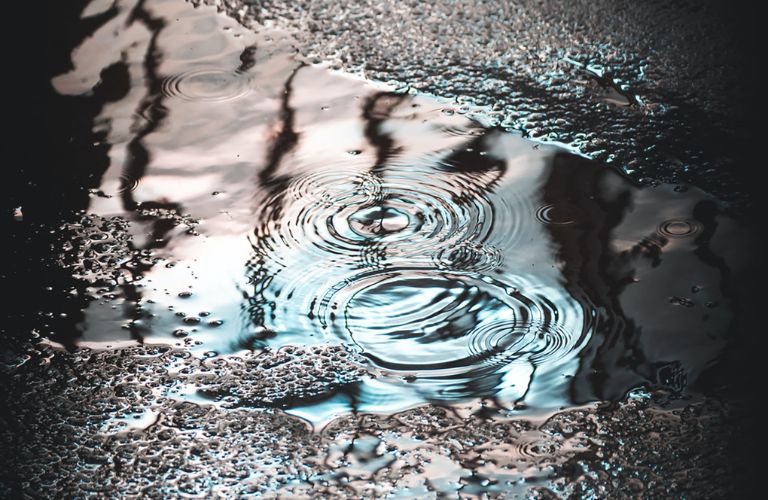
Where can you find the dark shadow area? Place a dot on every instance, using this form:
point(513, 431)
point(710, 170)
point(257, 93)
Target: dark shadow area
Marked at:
point(615, 358)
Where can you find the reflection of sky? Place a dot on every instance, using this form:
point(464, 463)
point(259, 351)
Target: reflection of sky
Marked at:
point(219, 147)
point(211, 265)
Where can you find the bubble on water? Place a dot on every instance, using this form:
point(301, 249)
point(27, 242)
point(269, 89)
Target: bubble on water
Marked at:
point(681, 301)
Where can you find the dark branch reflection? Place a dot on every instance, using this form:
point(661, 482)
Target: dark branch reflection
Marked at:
point(616, 359)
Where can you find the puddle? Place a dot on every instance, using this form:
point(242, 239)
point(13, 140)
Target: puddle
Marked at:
point(264, 202)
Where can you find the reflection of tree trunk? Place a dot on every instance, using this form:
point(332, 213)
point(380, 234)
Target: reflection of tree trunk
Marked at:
point(614, 360)
point(286, 139)
point(153, 112)
point(80, 155)
point(376, 111)
point(738, 360)
point(583, 247)
point(151, 108)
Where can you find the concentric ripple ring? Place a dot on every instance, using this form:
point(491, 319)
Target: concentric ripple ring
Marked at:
point(455, 329)
point(409, 215)
point(207, 85)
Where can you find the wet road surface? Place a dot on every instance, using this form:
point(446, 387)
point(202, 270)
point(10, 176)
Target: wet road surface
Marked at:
point(252, 274)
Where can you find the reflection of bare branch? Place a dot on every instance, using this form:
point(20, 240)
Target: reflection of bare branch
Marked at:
point(153, 112)
point(286, 139)
point(589, 270)
point(376, 111)
point(151, 108)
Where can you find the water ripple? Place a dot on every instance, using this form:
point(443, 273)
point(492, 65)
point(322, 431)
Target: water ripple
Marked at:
point(557, 214)
point(409, 214)
point(469, 256)
point(455, 332)
point(207, 85)
point(679, 228)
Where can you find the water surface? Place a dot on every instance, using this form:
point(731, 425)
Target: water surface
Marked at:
point(241, 199)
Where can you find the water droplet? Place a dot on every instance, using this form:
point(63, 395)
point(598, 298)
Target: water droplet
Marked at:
point(681, 301)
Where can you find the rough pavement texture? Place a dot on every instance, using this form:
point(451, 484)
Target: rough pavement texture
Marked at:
point(67, 440)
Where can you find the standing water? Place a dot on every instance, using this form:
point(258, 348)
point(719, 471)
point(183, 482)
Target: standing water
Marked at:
point(266, 238)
